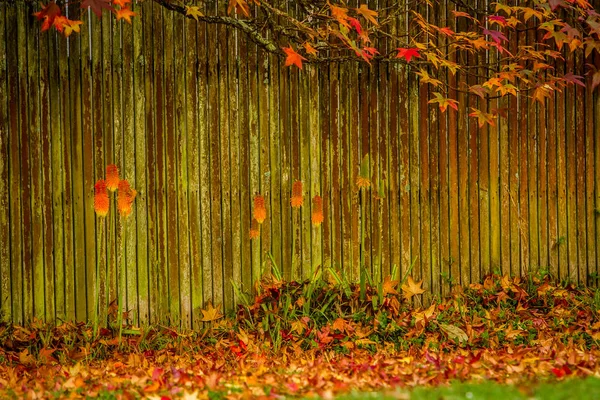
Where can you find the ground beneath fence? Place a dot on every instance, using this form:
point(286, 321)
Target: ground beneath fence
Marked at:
point(507, 330)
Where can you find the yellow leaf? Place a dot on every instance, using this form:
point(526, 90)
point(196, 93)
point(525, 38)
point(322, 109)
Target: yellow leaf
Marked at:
point(211, 313)
point(193, 12)
point(411, 288)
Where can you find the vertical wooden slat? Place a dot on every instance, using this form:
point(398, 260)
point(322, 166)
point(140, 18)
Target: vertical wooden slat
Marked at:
point(335, 192)
point(254, 169)
point(405, 186)
point(552, 188)
point(571, 178)
point(423, 185)
point(279, 199)
point(245, 162)
point(164, 294)
point(305, 171)
point(580, 201)
point(172, 135)
point(107, 101)
point(591, 168)
point(215, 161)
point(346, 176)
point(285, 142)
point(36, 200)
point(559, 243)
point(533, 140)
point(225, 99)
point(25, 161)
point(46, 174)
point(316, 172)
point(383, 179)
point(193, 129)
point(150, 156)
point(477, 185)
point(139, 147)
point(5, 240)
point(87, 142)
point(205, 167)
point(394, 167)
point(351, 167)
point(502, 151)
point(182, 156)
point(97, 116)
point(367, 92)
point(325, 160)
point(238, 236)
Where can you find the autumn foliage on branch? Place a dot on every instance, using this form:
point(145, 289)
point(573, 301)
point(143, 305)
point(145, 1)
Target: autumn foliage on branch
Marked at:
point(474, 43)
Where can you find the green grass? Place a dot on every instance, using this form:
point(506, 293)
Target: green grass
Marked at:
point(566, 390)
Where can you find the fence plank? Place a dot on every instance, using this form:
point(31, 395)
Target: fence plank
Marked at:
point(5, 237)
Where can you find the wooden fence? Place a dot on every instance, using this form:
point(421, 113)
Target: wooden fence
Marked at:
point(199, 121)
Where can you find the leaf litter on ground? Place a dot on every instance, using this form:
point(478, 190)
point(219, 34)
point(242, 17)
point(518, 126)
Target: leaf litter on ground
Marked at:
point(318, 339)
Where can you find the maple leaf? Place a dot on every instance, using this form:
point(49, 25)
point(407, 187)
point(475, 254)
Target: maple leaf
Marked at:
point(121, 3)
point(293, 57)
point(369, 15)
point(483, 118)
point(444, 102)
point(411, 288)
point(340, 14)
point(309, 49)
point(355, 24)
point(389, 286)
point(239, 6)
point(425, 78)
point(497, 36)
point(595, 79)
point(446, 31)
point(574, 79)
point(497, 19)
point(193, 12)
point(478, 90)
point(125, 13)
point(541, 93)
point(408, 53)
point(97, 6)
point(48, 13)
point(211, 313)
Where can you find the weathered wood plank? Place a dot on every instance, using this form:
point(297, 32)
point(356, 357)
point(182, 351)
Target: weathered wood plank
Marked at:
point(182, 158)
point(160, 88)
point(138, 66)
point(172, 135)
point(151, 157)
point(192, 87)
point(226, 100)
point(335, 191)
point(5, 236)
point(316, 171)
point(34, 138)
point(87, 141)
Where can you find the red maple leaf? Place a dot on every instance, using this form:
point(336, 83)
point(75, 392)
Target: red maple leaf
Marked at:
point(97, 6)
point(48, 13)
point(497, 36)
point(408, 54)
point(355, 24)
point(293, 57)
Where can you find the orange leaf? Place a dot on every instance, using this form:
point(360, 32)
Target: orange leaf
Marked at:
point(293, 57)
point(239, 6)
point(112, 177)
point(389, 286)
point(369, 15)
point(121, 3)
point(125, 13)
point(125, 198)
point(309, 49)
point(48, 13)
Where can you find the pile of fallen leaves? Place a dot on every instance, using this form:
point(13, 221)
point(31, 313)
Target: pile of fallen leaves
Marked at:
point(320, 337)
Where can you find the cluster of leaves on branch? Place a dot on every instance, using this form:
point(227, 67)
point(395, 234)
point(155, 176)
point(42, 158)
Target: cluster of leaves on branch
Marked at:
point(318, 337)
point(479, 44)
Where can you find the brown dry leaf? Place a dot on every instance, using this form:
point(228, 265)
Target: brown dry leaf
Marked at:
point(389, 286)
point(211, 313)
point(411, 288)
